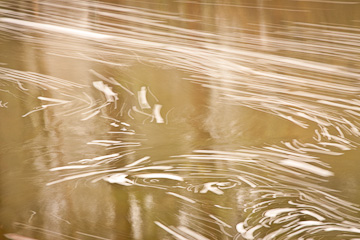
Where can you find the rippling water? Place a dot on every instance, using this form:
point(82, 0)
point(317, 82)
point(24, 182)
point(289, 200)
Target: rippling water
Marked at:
point(179, 119)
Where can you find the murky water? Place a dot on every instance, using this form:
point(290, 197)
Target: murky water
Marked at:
point(179, 119)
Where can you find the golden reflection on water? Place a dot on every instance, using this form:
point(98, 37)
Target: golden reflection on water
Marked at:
point(187, 54)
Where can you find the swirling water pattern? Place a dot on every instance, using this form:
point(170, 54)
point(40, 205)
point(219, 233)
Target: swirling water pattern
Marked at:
point(179, 119)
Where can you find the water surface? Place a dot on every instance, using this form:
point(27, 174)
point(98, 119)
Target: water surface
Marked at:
point(179, 119)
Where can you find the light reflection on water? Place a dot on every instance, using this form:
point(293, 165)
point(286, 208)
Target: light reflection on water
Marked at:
point(181, 119)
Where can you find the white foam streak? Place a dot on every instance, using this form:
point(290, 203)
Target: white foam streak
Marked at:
point(70, 167)
point(277, 211)
point(53, 100)
point(119, 179)
point(142, 98)
point(157, 115)
point(307, 167)
point(138, 161)
point(315, 215)
point(109, 94)
point(182, 197)
point(161, 175)
point(58, 29)
point(172, 232)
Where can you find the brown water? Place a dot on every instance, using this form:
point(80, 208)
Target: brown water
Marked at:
point(179, 119)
